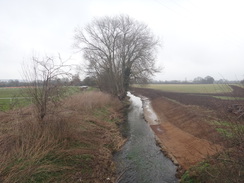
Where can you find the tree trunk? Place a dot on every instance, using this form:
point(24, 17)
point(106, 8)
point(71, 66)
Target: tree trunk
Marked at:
point(126, 83)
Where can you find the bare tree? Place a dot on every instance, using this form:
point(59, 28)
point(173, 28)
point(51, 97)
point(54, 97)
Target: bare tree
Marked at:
point(118, 50)
point(45, 86)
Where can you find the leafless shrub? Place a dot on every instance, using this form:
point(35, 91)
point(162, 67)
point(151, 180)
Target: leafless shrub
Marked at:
point(44, 77)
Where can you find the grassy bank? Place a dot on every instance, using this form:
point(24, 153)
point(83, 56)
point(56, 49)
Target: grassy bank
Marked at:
point(73, 144)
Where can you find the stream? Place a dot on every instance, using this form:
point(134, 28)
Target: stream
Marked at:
point(140, 159)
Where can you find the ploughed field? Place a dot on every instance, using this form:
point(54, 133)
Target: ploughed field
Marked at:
point(194, 125)
point(220, 98)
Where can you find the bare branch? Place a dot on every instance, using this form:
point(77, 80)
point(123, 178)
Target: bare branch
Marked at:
point(44, 86)
point(118, 50)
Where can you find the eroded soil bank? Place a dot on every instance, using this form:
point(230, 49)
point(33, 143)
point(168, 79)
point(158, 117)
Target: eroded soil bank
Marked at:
point(182, 130)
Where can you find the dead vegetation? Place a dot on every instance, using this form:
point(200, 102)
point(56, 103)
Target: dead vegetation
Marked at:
point(237, 109)
point(72, 144)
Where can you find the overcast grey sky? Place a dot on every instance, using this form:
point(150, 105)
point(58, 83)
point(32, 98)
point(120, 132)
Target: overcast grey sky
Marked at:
point(199, 37)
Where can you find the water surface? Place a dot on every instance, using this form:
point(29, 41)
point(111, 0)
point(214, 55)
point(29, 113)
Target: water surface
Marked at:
point(140, 160)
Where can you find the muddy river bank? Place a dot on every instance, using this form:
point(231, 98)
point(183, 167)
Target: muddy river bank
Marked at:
point(183, 130)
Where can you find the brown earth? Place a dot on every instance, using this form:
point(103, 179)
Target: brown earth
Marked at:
point(184, 128)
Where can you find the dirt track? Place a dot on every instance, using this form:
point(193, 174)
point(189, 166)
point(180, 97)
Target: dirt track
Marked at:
point(183, 128)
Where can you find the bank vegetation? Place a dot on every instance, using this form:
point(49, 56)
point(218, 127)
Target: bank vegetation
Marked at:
point(74, 143)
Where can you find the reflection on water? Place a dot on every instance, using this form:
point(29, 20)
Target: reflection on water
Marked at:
point(140, 160)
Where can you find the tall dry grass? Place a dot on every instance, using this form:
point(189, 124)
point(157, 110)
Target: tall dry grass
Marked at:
point(70, 145)
point(24, 150)
point(91, 100)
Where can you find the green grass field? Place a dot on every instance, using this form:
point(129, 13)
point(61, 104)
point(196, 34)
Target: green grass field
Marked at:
point(18, 97)
point(13, 97)
point(190, 88)
point(11, 92)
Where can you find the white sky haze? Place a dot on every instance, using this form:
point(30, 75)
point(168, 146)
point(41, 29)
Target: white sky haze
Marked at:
point(199, 37)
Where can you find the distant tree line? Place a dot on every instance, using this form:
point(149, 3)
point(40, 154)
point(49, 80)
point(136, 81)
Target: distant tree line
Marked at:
point(197, 80)
point(20, 83)
point(74, 81)
point(89, 81)
point(206, 80)
point(12, 83)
